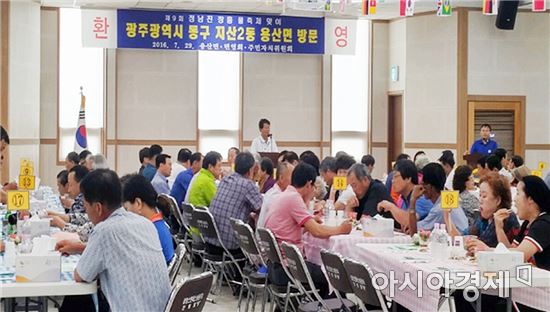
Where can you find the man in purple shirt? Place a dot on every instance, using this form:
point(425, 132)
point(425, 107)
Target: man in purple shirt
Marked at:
point(236, 197)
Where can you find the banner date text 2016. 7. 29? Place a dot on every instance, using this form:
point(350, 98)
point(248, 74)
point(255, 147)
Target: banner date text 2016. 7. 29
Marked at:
point(174, 45)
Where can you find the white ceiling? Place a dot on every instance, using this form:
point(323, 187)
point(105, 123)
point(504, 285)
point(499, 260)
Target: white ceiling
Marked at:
point(386, 9)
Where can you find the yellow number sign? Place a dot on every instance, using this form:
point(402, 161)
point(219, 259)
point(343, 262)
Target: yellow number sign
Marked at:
point(25, 162)
point(449, 199)
point(18, 200)
point(27, 167)
point(537, 173)
point(340, 183)
point(542, 165)
point(27, 171)
point(26, 182)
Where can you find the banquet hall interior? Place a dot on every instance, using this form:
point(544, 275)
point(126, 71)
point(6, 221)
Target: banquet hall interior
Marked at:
point(274, 155)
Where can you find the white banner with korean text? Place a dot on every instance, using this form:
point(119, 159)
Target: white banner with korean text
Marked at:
point(340, 36)
point(99, 28)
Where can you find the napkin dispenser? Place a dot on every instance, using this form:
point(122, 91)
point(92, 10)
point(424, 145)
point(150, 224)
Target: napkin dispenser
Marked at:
point(499, 259)
point(38, 267)
point(377, 226)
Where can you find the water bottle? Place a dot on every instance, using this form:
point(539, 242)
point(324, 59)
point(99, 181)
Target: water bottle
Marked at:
point(445, 239)
point(329, 206)
point(439, 242)
point(432, 237)
point(26, 244)
point(26, 227)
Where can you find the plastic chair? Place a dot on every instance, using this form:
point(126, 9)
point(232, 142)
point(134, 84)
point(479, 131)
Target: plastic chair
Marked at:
point(254, 280)
point(298, 269)
point(167, 205)
point(217, 263)
point(360, 276)
point(336, 273)
point(270, 250)
point(196, 243)
point(190, 294)
point(175, 264)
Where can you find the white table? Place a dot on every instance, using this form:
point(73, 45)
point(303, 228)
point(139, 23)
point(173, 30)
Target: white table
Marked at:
point(345, 245)
point(408, 263)
point(66, 287)
point(50, 289)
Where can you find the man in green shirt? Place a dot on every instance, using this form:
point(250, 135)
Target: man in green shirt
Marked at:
point(203, 186)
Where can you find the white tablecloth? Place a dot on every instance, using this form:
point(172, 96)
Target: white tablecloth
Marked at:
point(406, 260)
point(345, 245)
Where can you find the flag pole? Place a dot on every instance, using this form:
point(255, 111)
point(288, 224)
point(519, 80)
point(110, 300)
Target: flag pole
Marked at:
point(81, 136)
point(82, 98)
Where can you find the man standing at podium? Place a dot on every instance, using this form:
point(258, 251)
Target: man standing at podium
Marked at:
point(264, 143)
point(484, 146)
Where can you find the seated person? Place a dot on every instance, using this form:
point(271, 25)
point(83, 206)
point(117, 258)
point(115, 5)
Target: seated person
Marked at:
point(341, 198)
point(124, 251)
point(320, 191)
point(63, 186)
point(327, 170)
point(405, 177)
point(389, 178)
point(75, 175)
point(265, 175)
point(481, 166)
point(63, 182)
point(519, 173)
point(501, 154)
point(368, 192)
point(515, 162)
point(237, 196)
point(76, 220)
point(369, 161)
point(231, 154)
point(494, 197)
point(150, 169)
point(164, 169)
point(291, 158)
point(180, 165)
point(433, 182)
point(284, 175)
point(533, 240)
point(139, 196)
point(287, 217)
point(97, 161)
point(203, 186)
point(181, 184)
point(463, 182)
point(493, 163)
point(309, 157)
point(143, 159)
point(447, 160)
point(83, 156)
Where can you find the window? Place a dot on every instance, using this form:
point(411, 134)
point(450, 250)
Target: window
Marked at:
point(219, 100)
point(78, 67)
point(350, 94)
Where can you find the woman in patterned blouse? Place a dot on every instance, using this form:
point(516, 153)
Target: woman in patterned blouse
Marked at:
point(494, 196)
